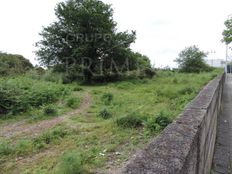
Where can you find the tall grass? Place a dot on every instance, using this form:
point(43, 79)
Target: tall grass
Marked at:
point(113, 127)
point(70, 163)
point(21, 94)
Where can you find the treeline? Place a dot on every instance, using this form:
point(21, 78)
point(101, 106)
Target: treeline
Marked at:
point(11, 64)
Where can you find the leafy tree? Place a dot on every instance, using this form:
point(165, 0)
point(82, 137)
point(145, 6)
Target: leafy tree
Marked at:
point(84, 41)
point(11, 64)
point(227, 33)
point(191, 60)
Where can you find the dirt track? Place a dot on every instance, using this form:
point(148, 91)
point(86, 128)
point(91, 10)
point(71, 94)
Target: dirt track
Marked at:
point(23, 128)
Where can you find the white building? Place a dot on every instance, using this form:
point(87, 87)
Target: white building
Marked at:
point(217, 63)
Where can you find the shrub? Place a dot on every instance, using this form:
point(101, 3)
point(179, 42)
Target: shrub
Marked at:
point(21, 94)
point(50, 110)
point(162, 119)
point(70, 163)
point(73, 102)
point(151, 126)
point(158, 123)
point(107, 98)
point(105, 114)
point(186, 91)
point(129, 121)
point(78, 88)
point(149, 72)
point(191, 60)
point(13, 64)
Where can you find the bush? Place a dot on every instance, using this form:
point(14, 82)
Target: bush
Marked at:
point(151, 126)
point(149, 72)
point(130, 121)
point(13, 64)
point(73, 102)
point(50, 110)
point(105, 114)
point(155, 124)
point(191, 60)
point(77, 88)
point(21, 94)
point(70, 163)
point(186, 91)
point(163, 120)
point(107, 98)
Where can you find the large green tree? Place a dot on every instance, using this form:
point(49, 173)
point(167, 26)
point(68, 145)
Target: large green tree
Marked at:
point(227, 33)
point(84, 41)
point(191, 60)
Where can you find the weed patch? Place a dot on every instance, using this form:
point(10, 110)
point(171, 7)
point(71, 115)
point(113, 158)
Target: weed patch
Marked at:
point(105, 114)
point(158, 123)
point(50, 110)
point(107, 98)
point(130, 121)
point(49, 137)
point(22, 94)
point(163, 119)
point(70, 163)
point(78, 88)
point(73, 102)
point(5, 148)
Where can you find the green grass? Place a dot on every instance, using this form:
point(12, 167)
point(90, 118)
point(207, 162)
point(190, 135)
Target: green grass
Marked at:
point(22, 94)
point(70, 163)
point(123, 116)
point(73, 102)
point(34, 99)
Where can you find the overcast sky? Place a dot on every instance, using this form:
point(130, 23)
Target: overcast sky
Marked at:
point(164, 27)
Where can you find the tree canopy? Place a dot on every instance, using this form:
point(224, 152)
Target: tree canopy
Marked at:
point(11, 64)
point(84, 41)
point(191, 60)
point(227, 33)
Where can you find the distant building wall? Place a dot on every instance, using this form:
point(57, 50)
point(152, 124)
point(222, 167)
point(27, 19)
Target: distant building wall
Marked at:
point(217, 63)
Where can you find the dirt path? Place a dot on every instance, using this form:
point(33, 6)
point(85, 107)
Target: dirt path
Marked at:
point(23, 128)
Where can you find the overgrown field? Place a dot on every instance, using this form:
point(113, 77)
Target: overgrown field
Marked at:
point(22, 94)
point(121, 118)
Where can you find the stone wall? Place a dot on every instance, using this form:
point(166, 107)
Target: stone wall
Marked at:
point(187, 145)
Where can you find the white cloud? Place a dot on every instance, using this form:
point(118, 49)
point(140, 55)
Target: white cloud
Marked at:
point(164, 27)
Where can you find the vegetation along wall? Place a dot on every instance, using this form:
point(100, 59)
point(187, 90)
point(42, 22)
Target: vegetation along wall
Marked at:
point(187, 145)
